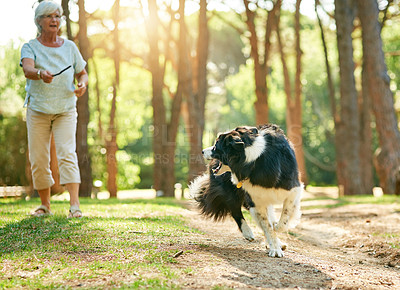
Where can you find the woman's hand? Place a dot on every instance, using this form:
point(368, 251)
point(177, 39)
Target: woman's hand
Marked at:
point(46, 76)
point(80, 90)
point(31, 72)
point(82, 79)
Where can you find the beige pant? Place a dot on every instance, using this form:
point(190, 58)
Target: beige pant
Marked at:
point(40, 126)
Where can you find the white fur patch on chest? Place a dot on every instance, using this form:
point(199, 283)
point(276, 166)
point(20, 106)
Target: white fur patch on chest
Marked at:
point(256, 149)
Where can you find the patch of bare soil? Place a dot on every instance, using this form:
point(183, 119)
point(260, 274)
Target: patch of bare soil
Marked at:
point(350, 247)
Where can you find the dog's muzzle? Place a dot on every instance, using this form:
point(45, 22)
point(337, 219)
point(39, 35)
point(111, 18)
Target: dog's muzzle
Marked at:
point(207, 153)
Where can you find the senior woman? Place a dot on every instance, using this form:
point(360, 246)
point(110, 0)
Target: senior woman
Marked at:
point(50, 65)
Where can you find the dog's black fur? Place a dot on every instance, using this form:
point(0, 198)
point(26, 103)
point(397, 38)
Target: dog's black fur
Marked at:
point(220, 198)
point(278, 165)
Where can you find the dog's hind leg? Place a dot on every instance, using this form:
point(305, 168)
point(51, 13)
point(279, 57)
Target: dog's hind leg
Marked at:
point(291, 213)
point(275, 246)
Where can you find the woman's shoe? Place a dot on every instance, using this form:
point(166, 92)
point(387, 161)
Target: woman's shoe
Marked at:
point(41, 211)
point(74, 212)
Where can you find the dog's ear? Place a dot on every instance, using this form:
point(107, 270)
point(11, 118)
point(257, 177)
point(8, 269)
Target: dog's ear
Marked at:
point(247, 129)
point(253, 130)
point(237, 143)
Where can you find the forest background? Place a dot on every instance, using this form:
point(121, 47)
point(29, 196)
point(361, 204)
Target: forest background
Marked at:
point(166, 76)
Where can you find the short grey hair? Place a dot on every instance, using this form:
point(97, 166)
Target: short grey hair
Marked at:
point(45, 8)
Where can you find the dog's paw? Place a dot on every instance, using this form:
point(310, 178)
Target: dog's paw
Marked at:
point(278, 253)
point(250, 238)
point(280, 227)
point(246, 232)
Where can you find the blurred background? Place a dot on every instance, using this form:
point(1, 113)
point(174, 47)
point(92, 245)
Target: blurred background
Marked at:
point(165, 76)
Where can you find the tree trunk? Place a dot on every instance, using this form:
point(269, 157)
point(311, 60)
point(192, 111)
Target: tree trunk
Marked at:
point(161, 157)
point(98, 107)
point(335, 115)
point(387, 161)
point(185, 79)
point(331, 87)
point(170, 132)
point(294, 104)
point(295, 128)
point(261, 67)
point(65, 7)
point(197, 98)
point(111, 142)
point(260, 72)
point(348, 131)
point(366, 156)
point(82, 147)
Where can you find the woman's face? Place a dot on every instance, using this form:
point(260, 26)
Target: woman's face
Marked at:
point(50, 22)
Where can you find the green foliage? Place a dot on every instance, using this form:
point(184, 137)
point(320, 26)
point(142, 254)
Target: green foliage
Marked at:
point(229, 101)
point(13, 147)
point(224, 38)
point(134, 114)
point(13, 151)
point(236, 108)
point(318, 125)
point(391, 45)
point(12, 80)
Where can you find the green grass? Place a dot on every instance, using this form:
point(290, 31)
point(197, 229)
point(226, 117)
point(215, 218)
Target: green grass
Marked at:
point(357, 199)
point(392, 239)
point(117, 244)
point(125, 244)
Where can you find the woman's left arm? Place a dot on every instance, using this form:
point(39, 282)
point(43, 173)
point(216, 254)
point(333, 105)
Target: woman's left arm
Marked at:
point(83, 81)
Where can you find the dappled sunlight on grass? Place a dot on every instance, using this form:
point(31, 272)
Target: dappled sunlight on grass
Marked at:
point(117, 239)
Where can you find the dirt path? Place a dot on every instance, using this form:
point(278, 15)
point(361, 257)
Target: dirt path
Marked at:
point(350, 247)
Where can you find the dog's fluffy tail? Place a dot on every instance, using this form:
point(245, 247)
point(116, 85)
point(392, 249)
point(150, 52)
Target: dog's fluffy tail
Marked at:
point(198, 186)
point(210, 201)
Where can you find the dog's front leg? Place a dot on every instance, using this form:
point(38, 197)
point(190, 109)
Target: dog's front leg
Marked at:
point(242, 224)
point(275, 246)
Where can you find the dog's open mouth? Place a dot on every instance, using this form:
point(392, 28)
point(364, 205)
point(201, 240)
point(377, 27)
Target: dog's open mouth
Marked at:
point(216, 169)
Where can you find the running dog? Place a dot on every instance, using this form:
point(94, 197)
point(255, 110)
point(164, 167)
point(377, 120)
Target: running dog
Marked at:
point(255, 168)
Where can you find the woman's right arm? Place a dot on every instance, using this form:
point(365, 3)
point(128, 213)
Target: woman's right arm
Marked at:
point(28, 65)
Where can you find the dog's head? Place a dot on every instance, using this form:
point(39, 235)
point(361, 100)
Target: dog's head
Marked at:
point(231, 144)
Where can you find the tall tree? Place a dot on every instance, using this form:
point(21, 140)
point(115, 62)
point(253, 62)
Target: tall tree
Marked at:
point(366, 151)
point(111, 138)
point(332, 97)
point(293, 98)
point(348, 127)
point(387, 162)
point(159, 110)
point(331, 86)
point(170, 129)
point(65, 7)
point(165, 132)
point(82, 147)
point(195, 93)
point(260, 57)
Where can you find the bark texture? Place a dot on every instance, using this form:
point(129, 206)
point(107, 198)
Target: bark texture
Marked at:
point(348, 128)
point(387, 156)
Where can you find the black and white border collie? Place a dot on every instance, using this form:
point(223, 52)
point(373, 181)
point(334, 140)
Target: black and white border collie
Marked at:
point(255, 168)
